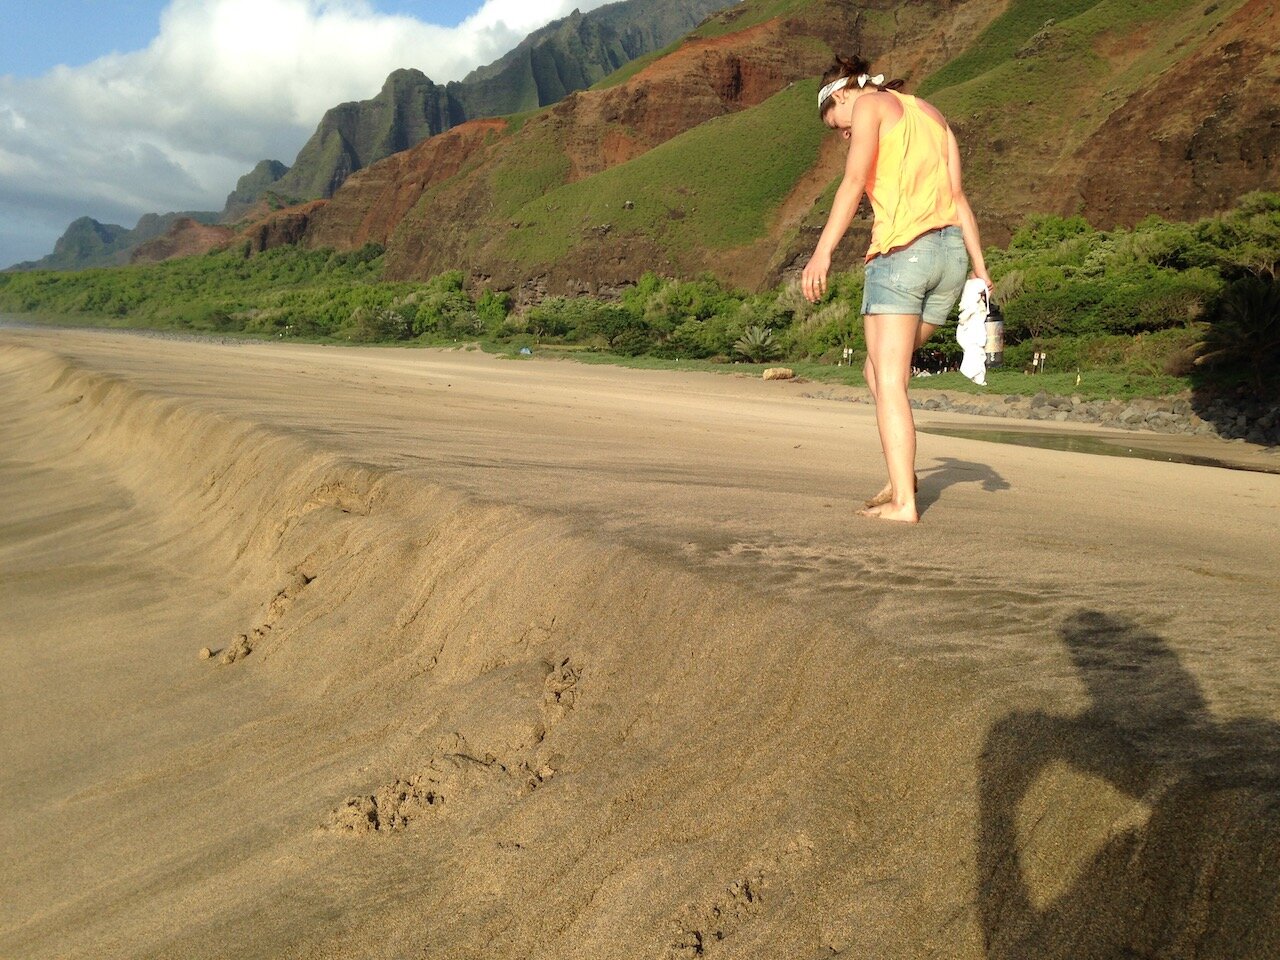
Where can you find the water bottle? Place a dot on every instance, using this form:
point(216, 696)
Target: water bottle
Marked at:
point(995, 337)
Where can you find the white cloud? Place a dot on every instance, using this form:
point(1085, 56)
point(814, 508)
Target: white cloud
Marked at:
point(225, 83)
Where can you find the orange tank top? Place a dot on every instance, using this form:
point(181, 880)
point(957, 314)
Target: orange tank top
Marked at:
point(909, 186)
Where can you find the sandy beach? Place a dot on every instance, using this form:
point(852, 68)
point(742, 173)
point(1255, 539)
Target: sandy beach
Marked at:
point(534, 659)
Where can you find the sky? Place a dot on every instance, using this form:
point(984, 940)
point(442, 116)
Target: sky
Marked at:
point(116, 108)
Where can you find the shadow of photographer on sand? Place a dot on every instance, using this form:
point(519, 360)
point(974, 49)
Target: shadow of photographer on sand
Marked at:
point(1140, 827)
point(949, 471)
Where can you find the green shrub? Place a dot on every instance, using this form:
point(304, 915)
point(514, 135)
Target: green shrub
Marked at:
point(372, 324)
point(1147, 354)
point(581, 320)
point(443, 308)
point(632, 343)
point(1154, 299)
point(665, 304)
point(832, 326)
point(492, 309)
point(1246, 241)
point(1047, 232)
point(1048, 301)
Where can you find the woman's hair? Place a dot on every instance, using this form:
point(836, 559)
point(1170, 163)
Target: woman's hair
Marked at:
point(851, 67)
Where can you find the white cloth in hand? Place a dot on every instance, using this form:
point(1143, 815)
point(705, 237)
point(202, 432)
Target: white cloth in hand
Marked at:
point(971, 333)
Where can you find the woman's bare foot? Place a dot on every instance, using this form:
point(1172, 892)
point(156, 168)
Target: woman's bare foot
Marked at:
point(885, 495)
point(901, 513)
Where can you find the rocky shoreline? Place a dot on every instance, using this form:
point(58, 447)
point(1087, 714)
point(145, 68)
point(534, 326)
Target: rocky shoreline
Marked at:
point(1244, 421)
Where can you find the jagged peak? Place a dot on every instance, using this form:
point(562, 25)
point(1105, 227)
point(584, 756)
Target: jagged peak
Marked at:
point(405, 76)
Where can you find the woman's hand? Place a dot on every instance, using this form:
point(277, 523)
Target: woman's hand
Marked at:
point(813, 283)
point(981, 274)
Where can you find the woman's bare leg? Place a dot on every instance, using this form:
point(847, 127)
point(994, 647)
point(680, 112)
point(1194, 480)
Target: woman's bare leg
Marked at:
point(923, 333)
point(891, 339)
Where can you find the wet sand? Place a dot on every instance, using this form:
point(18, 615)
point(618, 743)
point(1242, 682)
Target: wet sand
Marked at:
point(550, 660)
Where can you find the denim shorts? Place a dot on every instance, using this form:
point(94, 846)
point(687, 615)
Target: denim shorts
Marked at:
point(923, 279)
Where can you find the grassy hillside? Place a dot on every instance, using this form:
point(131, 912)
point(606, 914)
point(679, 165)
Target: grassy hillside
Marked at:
point(589, 194)
point(1000, 43)
point(1044, 76)
point(1043, 61)
point(714, 187)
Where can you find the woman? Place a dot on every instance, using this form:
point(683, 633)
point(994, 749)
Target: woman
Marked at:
point(905, 157)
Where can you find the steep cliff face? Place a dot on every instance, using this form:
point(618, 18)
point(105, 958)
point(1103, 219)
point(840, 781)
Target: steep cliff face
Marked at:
point(251, 187)
point(281, 227)
point(575, 52)
point(565, 56)
point(408, 109)
point(375, 200)
point(88, 241)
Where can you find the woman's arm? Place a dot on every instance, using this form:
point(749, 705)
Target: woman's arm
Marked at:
point(968, 223)
point(865, 138)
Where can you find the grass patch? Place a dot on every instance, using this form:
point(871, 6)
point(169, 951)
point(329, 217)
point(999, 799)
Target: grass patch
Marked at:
point(748, 14)
point(1094, 385)
point(1003, 38)
point(629, 70)
point(303, 292)
point(516, 121)
point(1152, 311)
point(530, 166)
point(714, 186)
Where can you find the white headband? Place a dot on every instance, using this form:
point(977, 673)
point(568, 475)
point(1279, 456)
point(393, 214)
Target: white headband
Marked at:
point(834, 85)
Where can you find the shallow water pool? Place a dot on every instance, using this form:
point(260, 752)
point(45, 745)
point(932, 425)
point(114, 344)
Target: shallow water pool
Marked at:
point(1084, 443)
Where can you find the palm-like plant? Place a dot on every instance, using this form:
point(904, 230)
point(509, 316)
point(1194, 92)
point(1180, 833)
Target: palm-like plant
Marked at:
point(1246, 330)
point(757, 344)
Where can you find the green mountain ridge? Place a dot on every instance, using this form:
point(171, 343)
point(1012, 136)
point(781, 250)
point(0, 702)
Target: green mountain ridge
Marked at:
point(87, 243)
point(565, 56)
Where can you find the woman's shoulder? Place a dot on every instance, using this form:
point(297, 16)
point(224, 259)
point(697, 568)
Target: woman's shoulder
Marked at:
point(888, 104)
point(929, 109)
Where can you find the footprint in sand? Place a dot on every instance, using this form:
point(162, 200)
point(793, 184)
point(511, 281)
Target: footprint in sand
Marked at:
point(279, 605)
point(449, 778)
point(458, 769)
point(560, 691)
point(701, 928)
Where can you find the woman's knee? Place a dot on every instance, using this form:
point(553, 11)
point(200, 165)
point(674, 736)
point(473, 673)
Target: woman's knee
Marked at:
point(891, 383)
